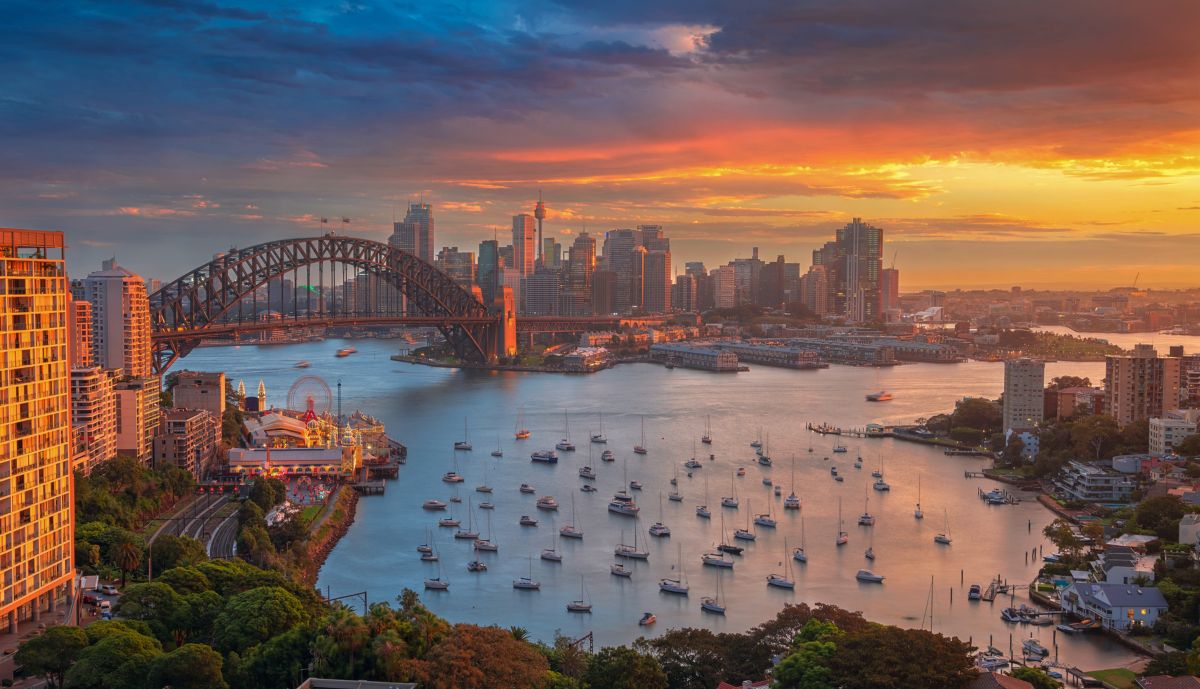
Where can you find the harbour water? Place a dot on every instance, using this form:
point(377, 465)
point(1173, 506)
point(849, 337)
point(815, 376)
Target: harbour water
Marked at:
point(425, 407)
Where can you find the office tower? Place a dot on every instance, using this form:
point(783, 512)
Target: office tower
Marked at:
point(814, 290)
point(637, 278)
point(507, 255)
point(1141, 385)
point(889, 288)
point(747, 274)
point(94, 412)
point(618, 258)
point(581, 266)
point(188, 439)
point(694, 268)
point(724, 287)
point(542, 290)
point(200, 390)
point(657, 284)
point(37, 536)
point(1024, 393)
point(862, 246)
point(604, 292)
point(488, 268)
point(539, 212)
point(415, 233)
point(551, 253)
point(79, 333)
point(120, 320)
point(459, 265)
point(683, 293)
point(523, 237)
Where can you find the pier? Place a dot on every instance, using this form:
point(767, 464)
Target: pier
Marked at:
point(370, 487)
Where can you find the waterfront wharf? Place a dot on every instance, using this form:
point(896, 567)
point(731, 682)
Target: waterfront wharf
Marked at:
point(974, 474)
point(370, 487)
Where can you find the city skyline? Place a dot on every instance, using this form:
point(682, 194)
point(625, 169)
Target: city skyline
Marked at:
point(1072, 157)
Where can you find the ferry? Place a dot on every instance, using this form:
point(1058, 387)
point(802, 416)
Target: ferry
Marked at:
point(881, 396)
point(345, 352)
point(544, 456)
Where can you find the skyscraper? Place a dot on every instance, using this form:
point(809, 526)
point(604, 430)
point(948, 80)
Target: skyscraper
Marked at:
point(618, 257)
point(862, 245)
point(36, 527)
point(94, 415)
point(488, 269)
point(551, 253)
point(414, 234)
point(79, 332)
point(1024, 393)
point(657, 282)
point(524, 237)
point(1141, 385)
point(459, 265)
point(724, 287)
point(889, 289)
point(581, 265)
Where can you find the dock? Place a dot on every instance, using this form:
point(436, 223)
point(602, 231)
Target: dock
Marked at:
point(974, 474)
point(370, 487)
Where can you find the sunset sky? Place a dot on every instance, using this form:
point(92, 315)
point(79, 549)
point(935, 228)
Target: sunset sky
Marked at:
point(997, 143)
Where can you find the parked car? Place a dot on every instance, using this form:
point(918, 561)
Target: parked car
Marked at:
point(109, 590)
point(105, 606)
point(90, 599)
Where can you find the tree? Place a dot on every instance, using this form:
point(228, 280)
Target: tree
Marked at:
point(1189, 446)
point(979, 413)
point(885, 657)
point(485, 658)
point(1037, 677)
point(1063, 537)
point(1161, 515)
point(185, 580)
point(121, 658)
point(621, 667)
point(691, 658)
point(51, 654)
point(1013, 452)
point(279, 663)
point(1064, 382)
point(807, 667)
point(176, 551)
point(1172, 663)
point(251, 617)
point(191, 666)
point(154, 603)
point(127, 557)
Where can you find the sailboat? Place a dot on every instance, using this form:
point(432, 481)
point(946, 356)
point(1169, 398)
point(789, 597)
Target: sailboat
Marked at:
point(469, 533)
point(944, 536)
point(713, 603)
point(918, 512)
point(425, 548)
point(764, 456)
point(465, 443)
point(658, 528)
point(693, 463)
point(792, 502)
point(521, 433)
point(484, 487)
point(584, 603)
point(866, 518)
point(599, 437)
point(783, 581)
point(798, 554)
point(622, 502)
point(528, 583)
point(487, 544)
point(552, 553)
point(498, 452)
point(437, 583)
point(767, 520)
point(675, 585)
point(707, 437)
point(640, 448)
point(570, 530)
point(453, 476)
point(731, 502)
point(449, 521)
point(725, 546)
point(675, 495)
point(756, 444)
point(842, 538)
point(631, 551)
point(702, 510)
point(565, 444)
point(745, 534)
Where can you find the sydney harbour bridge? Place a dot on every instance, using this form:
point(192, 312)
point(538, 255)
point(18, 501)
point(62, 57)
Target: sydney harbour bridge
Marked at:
point(229, 295)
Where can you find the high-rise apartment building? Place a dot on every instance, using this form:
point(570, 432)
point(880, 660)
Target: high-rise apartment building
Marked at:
point(120, 320)
point(1024, 393)
point(581, 266)
point(94, 414)
point(137, 416)
point(36, 528)
point(79, 333)
point(683, 294)
point(814, 290)
point(724, 287)
point(1140, 385)
point(188, 439)
point(889, 289)
point(524, 238)
point(414, 234)
point(657, 282)
point(862, 245)
point(200, 390)
point(541, 291)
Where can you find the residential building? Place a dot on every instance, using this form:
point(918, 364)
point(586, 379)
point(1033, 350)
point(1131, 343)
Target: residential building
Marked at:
point(863, 247)
point(137, 416)
point(415, 233)
point(995, 680)
point(1167, 431)
point(1124, 565)
point(724, 287)
point(1189, 529)
point(120, 320)
point(1140, 385)
point(1167, 682)
point(1093, 483)
point(814, 290)
point(1066, 403)
point(37, 535)
point(1115, 606)
point(79, 333)
point(524, 241)
point(683, 293)
point(188, 439)
point(889, 289)
point(200, 390)
point(1024, 397)
point(94, 412)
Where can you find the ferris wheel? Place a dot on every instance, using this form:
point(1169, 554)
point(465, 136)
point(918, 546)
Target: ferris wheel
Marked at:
point(311, 395)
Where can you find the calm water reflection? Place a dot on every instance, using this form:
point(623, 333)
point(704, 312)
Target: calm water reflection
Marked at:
point(425, 408)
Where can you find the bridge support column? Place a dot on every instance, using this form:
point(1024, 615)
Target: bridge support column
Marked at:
point(505, 340)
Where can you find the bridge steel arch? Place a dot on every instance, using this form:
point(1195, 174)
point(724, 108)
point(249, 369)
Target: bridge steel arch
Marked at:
point(208, 296)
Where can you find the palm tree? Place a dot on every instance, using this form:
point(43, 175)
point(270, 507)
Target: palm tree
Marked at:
point(519, 633)
point(127, 556)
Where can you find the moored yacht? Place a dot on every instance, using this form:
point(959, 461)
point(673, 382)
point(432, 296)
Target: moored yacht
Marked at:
point(544, 456)
point(622, 503)
point(716, 560)
point(547, 502)
point(608, 456)
point(866, 575)
point(433, 505)
point(526, 488)
point(619, 570)
point(587, 472)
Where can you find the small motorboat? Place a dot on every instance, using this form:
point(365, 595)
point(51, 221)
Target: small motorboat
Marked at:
point(881, 396)
point(648, 619)
point(526, 488)
point(974, 593)
point(527, 520)
point(675, 496)
point(778, 491)
point(587, 472)
point(1031, 647)
point(522, 434)
point(693, 463)
point(452, 477)
point(433, 505)
point(858, 463)
point(833, 471)
point(866, 575)
point(587, 488)
point(881, 485)
point(448, 522)
point(942, 538)
point(455, 498)
point(429, 557)
point(1010, 615)
point(437, 584)
point(767, 481)
point(547, 502)
point(870, 553)
point(619, 570)
point(476, 566)
point(764, 460)
point(839, 479)
point(635, 485)
point(741, 471)
point(702, 512)
point(608, 456)
point(345, 352)
point(841, 449)
point(487, 506)
point(304, 363)
point(730, 548)
point(544, 456)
